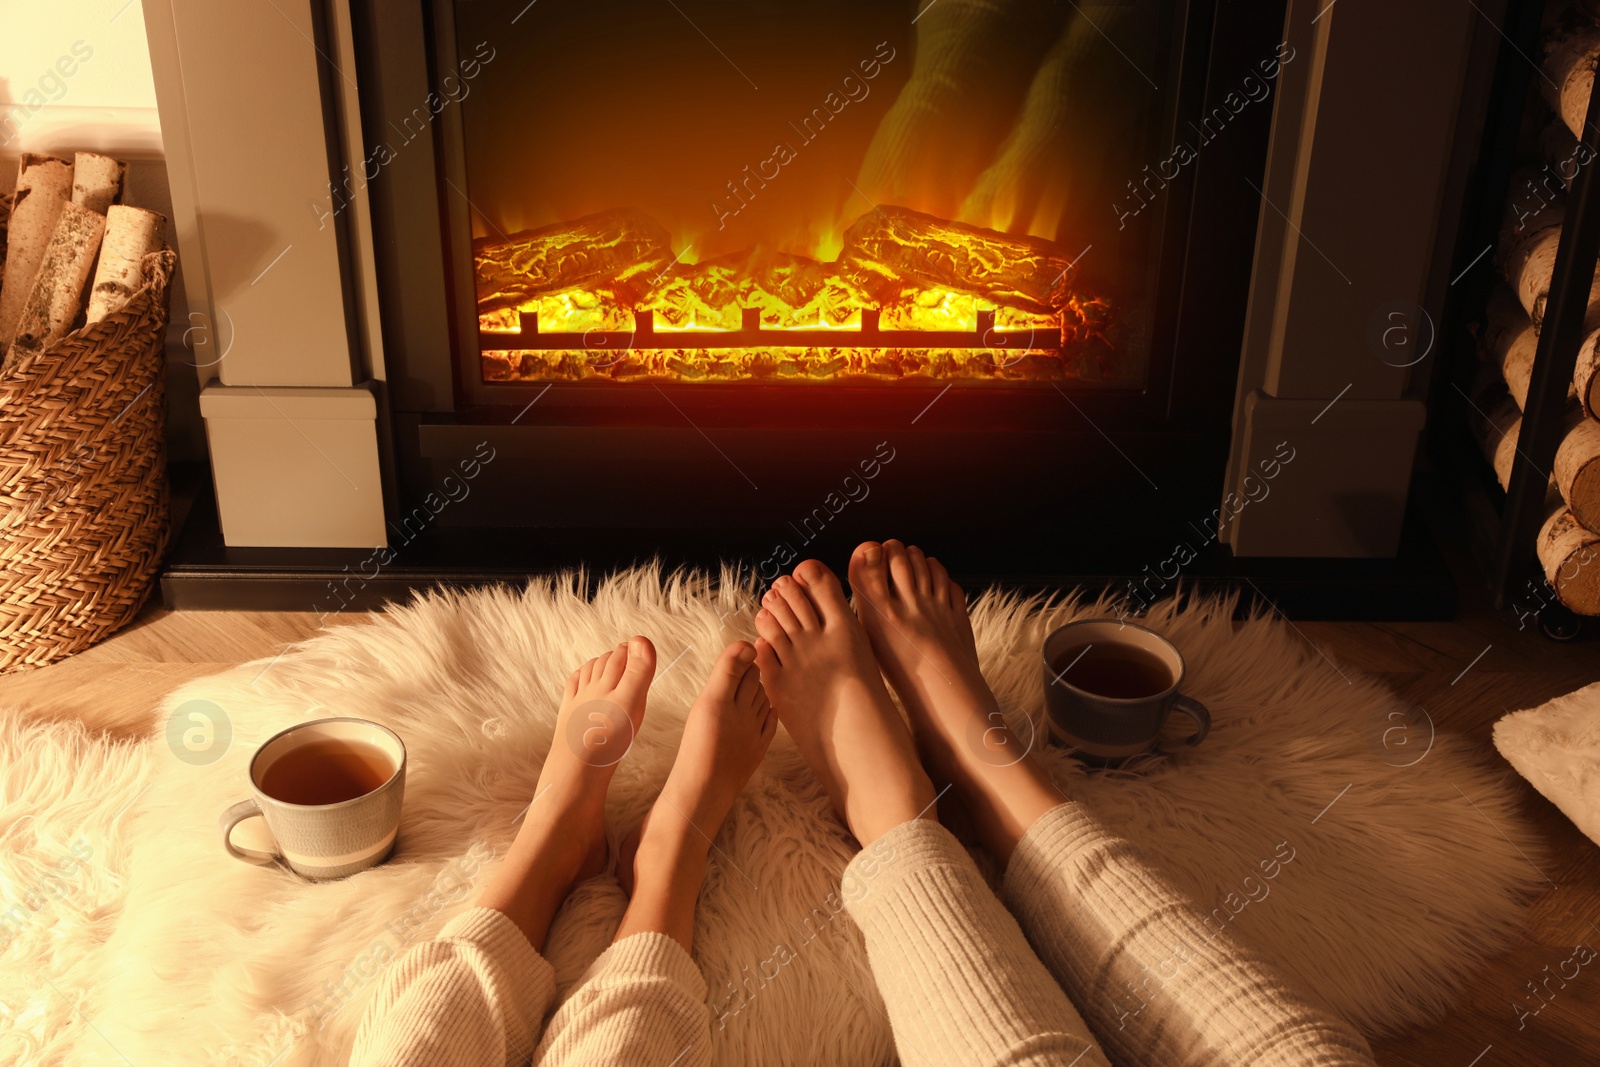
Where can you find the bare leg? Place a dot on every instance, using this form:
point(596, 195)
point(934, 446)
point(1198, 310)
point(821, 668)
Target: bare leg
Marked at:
point(1112, 929)
point(959, 982)
point(644, 1001)
point(819, 670)
point(916, 618)
point(727, 733)
point(562, 839)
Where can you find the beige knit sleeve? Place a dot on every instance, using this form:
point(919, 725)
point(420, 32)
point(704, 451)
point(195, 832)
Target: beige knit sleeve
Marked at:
point(642, 1003)
point(1156, 982)
point(959, 982)
point(472, 997)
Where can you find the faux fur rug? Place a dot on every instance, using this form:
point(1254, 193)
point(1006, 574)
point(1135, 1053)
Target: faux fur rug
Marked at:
point(131, 934)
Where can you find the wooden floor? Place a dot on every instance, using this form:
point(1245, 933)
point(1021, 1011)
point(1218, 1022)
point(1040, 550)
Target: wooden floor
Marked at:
point(1466, 674)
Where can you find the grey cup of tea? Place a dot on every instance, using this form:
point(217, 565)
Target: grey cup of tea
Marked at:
point(1109, 688)
point(330, 792)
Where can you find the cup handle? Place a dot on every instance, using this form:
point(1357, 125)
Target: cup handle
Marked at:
point(1197, 711)
point(231, 818)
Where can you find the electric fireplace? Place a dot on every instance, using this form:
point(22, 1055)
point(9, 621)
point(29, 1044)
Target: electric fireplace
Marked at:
point(696, 263)
point(493, 285)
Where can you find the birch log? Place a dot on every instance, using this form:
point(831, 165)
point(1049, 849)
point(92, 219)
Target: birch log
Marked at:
point(1511, 342)
point(1529, 235)
point(1570, 556)
point(131, 234)
point(1497, 436)
point(57, 292)
point(1577, 471)
point(1527, 258)
point(1568, 552)
point(1586, 375)
point(1567, 61)
point(96, 181)
point(1564, 153)
point(44, 184)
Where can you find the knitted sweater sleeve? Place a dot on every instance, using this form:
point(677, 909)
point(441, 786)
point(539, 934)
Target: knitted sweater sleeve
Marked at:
point(474, 996)
point(1157, 983)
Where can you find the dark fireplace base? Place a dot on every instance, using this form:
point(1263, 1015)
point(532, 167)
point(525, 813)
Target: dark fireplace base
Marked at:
point(202, 573)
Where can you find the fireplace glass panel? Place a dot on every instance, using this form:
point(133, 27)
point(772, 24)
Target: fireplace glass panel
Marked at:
point(838, 191)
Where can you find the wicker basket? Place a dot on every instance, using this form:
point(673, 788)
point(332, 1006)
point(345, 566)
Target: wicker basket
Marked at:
point(83, 481)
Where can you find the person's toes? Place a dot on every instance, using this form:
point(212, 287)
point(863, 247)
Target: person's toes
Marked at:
point(730, 668)
point(825, 592)
point(794, 595)
point(780, 609)
point(586, 672)
point(572, 683)
point(938, 581)
point(868, 575)
point(749, 691)
point(637, 673)
point(765, 656)
point(772, 636)
point(957, 598)
point(919, 569)
point(901, 578)
point(616, 662)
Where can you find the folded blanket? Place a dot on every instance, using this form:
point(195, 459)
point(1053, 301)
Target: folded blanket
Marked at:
point(1556, 747)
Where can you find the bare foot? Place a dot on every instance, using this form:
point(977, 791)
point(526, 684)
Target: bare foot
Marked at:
point(916, 618)
point(817, 665)
point(562, 838)
point(662, 863)
point(601, 712)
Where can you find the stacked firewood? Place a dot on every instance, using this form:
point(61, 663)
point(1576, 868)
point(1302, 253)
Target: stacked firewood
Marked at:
point(68, 225)
point(1568, 543)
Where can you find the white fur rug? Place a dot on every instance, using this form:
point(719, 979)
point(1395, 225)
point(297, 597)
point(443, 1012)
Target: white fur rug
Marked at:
point(147, 939)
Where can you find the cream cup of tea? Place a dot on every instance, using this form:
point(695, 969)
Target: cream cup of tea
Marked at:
point(329, 791)
point(1109, 687)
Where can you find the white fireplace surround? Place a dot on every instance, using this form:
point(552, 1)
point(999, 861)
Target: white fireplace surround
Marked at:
point(1363, 165)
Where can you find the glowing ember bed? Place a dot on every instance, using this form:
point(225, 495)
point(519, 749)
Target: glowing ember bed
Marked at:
point(909, 296)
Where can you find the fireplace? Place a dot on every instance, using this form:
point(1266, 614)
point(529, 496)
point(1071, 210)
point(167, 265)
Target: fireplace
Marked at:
point(749, 283)
point(753, 260)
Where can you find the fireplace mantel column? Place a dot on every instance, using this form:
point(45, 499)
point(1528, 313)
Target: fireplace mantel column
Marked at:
point(247, 95)
point(1335, 357)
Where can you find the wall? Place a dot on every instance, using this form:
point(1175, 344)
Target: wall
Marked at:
point(75, 74)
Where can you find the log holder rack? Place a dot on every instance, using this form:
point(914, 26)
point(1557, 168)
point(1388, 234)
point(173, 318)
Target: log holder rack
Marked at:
point(1503, 526)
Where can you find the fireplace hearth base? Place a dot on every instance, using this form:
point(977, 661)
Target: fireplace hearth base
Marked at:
point(202, 573)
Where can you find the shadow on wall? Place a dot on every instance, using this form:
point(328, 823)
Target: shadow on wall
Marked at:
point(1371, 520)
point(251, 249)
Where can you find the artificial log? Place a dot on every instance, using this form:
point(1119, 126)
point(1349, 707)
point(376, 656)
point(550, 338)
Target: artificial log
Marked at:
point(1568, 551)
point(131, 234)
point(44, 185)
point(613, 248)
point(889, 246)
point(57, 292)
point(96, 181)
